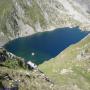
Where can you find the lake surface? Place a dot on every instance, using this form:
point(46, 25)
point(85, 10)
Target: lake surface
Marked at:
point(45, 45)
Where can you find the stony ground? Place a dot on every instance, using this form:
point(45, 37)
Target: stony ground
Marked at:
point(14, 74)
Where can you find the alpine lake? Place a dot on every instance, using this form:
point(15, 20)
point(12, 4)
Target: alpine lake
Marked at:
point(43, 46)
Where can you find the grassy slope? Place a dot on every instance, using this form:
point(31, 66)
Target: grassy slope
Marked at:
point(77, 76)
point(5, 9)
point(33, 13)
point(5, 6)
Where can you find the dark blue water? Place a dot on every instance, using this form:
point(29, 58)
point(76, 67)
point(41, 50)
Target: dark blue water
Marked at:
point(45, 45)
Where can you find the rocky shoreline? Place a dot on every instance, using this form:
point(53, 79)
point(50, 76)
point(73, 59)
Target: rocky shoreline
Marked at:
point(4, 55)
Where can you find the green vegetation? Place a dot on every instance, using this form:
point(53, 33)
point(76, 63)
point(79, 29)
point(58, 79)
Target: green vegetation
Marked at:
point(5, 9)
point(10, 64)
point(33, 13)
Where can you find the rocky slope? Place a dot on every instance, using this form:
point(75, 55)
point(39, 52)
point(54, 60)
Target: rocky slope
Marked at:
point(20, 18)
point(71, 69)
point(16, 75)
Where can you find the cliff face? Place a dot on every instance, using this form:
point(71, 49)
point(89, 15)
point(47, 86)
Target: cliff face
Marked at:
point(20, 18)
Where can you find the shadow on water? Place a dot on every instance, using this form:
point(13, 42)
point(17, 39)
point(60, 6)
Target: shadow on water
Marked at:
point(45, 45)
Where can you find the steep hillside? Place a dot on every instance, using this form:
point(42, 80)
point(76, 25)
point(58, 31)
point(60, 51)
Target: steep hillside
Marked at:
point(5, 9)
point(16, 75)
point(20, 18)
point(71, 69)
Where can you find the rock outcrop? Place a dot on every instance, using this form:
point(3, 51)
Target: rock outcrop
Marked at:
point(15, 74)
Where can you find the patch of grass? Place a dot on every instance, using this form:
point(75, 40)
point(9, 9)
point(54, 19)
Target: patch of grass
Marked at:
point(11, 64)
point(83, 73)
point(5, 6)
point(34, 13)
point(5, 9)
